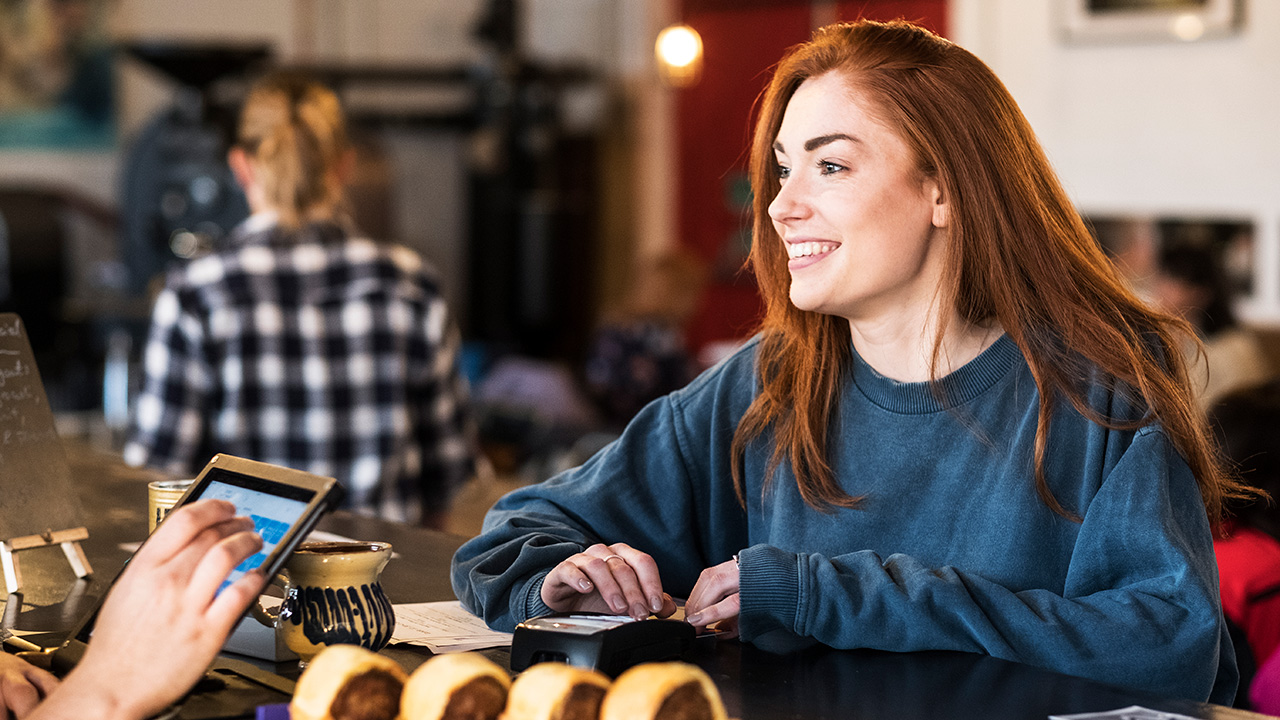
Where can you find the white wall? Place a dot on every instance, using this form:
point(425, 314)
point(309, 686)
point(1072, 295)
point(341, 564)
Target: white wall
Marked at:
point(1146, 126)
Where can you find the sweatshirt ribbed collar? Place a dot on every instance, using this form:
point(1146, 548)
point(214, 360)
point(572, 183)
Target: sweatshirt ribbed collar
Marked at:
point(961, 386)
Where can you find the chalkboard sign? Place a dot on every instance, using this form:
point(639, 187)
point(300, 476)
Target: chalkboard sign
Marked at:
point(36, 494)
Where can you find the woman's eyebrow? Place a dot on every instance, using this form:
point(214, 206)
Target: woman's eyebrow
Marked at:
point(814, 143)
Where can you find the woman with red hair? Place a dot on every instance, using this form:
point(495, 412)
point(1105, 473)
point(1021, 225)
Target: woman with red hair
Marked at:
point(955, 430)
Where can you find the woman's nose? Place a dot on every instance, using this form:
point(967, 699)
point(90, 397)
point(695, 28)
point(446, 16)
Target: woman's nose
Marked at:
point(789, 203)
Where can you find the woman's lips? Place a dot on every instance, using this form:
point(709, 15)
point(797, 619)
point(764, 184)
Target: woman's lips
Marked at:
point(805, 252)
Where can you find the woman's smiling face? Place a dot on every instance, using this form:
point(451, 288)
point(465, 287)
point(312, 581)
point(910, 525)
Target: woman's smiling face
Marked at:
point(863, 226)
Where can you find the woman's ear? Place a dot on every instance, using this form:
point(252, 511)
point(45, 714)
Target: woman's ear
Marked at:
point(242, 168)
point(246, 174)
point(941, 209)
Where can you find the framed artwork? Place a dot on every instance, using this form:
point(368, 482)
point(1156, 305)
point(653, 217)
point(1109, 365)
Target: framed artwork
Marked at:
point(57, 87)
point(1184, 20)
point(1211, 252)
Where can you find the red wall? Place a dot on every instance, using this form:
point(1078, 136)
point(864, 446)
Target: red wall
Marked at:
point(713, 133)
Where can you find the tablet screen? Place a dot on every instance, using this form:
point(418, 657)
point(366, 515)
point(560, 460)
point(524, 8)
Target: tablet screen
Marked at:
point(273, 507)
point(283, 503)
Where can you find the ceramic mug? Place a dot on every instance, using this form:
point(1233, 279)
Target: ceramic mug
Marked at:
point(332, 596)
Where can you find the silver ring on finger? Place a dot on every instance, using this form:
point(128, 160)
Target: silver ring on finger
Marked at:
point(612, 557)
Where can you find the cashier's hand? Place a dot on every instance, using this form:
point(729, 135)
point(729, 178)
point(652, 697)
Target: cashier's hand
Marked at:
point(608, 578)
point(714, 599)
point(22, 685)
point(161, 625)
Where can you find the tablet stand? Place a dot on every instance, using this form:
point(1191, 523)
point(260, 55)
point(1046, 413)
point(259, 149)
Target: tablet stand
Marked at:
point(68, 539)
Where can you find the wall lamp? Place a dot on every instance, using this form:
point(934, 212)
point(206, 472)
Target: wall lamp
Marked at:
point(679, 53)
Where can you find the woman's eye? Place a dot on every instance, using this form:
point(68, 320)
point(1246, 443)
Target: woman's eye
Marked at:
point(784, 172)
point(830, 168)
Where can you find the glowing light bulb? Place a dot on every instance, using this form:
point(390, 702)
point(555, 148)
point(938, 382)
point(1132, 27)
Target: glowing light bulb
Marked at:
point(679, 52)
point(679, 45)
point(1187, 27)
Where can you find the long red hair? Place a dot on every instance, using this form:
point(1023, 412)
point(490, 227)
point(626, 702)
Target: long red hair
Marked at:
point(1019, 255)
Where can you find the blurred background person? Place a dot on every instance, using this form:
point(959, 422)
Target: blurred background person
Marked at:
point(640, 352)
point(1247, 423)
point(1190, 281)
point(301, 343)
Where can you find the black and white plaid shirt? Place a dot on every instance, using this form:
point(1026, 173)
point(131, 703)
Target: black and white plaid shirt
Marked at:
point(315, 351)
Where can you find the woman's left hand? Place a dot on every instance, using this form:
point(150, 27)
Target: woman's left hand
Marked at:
point(714, 598)
point(22, 685)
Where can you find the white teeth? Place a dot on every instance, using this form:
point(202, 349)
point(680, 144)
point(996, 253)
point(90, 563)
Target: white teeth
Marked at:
point(805, 249)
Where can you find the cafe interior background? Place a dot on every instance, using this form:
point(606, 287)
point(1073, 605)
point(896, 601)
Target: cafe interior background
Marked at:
point(558, 175)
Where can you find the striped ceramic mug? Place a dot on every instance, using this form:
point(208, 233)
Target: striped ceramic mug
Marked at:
point(332, 597)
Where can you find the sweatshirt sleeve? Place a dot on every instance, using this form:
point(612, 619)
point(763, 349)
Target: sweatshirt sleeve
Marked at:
point(1139, 606)
point(648, 489)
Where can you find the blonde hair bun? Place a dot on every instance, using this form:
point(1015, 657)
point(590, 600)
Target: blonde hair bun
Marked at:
point(295, 129)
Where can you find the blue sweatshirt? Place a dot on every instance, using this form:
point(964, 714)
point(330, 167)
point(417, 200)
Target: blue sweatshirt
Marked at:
point(951, 550)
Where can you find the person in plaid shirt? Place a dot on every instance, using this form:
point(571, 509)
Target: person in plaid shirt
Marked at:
point(301, 344)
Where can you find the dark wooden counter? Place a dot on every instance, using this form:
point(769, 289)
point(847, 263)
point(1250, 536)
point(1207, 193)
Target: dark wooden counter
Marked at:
point(814, 684)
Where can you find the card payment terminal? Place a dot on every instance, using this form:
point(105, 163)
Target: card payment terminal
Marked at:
point(608, 643)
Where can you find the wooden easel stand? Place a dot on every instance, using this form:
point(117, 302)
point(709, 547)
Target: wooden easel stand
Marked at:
point(68, 539)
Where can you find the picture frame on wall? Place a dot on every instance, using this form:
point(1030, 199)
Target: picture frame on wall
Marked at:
point(1152, 20)
point(57, 75)
point(1218, 250)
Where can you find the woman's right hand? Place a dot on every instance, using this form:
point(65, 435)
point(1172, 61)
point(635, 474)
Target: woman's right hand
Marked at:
point(613, 578)
point(164, 619)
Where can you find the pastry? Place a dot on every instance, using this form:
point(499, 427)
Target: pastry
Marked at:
point(462, 686)
point(666, 691)
point(348, 682)
point(555, 691)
